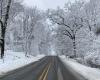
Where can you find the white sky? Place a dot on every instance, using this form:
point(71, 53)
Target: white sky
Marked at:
point(45, 4)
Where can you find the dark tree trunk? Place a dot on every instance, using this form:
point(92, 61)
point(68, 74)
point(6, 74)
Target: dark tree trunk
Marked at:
point(3, 28)
point(2, 42)
point(2, 48)
point(74, 47)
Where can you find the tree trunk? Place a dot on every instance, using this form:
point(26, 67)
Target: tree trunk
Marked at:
point(74, 47)
point(2, 42)
point(3, 28)
point(2, 48)
point(2, 39)
point(26, 51)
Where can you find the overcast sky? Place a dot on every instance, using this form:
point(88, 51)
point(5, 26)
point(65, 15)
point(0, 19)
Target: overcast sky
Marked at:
point(45, 4)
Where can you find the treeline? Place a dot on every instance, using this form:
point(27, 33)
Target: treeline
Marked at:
point(66, 31)
point(24, 28)
point(77, 28)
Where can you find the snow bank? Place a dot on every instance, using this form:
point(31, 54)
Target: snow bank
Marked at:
point(14, 60)
point(87, 72)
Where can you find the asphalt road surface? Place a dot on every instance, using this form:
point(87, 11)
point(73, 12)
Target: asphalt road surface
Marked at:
point(47, 68)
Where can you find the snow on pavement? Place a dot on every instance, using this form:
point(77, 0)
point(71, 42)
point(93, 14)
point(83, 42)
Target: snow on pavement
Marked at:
point(88, 72)
point(14, 60)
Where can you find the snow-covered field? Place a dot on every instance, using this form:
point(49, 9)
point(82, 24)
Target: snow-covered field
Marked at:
point(87, 72)
point(14, 60)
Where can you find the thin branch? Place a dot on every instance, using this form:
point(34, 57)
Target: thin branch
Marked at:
point(63, 23)
point(80, 26)
point(69, 34)
point(78, 29)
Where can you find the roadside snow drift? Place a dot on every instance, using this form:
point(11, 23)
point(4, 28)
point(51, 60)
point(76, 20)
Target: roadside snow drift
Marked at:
point(14, 60)
point(87, 72)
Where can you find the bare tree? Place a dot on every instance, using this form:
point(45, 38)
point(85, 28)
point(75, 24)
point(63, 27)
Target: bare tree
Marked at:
point(3, 23)
point(69, 22)
point(30, 19)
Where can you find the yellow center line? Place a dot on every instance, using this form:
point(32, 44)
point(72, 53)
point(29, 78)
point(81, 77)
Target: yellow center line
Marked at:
point(42, 76)
point(47, 72)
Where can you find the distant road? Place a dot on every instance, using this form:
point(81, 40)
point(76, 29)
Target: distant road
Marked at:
point(47, 68)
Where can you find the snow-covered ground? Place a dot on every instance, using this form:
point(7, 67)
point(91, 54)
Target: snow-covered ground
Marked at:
point(14, 60)
point(87, 72)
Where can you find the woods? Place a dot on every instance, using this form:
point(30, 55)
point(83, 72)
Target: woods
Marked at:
point(70, 30)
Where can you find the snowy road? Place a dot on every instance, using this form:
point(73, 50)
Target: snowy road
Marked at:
point(47, 68)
